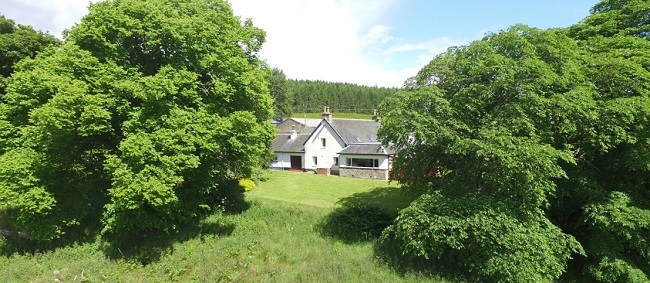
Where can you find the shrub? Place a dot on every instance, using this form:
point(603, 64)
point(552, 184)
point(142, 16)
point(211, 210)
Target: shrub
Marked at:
point(260, 175)
point(247, 184)
point(478, 237)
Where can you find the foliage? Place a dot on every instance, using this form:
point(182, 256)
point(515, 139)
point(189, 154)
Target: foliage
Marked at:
point(615, 17)
point(144, 118)
point(18, 42)
point(282, 99)
point(555, 123)
point(247, 184)
point(356, 223)
point(311, 96)
point(481, 237)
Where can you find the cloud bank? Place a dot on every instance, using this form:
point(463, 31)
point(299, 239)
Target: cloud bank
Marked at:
point(336, 40)
point(328, 40)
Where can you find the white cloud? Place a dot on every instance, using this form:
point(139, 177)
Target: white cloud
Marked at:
point(323, 40)
point(378, 34)
point(434, 46)
point(330, 40)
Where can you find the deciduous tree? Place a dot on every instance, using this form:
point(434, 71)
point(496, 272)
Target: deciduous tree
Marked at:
point(282, 99)
point(143, 116)
point(529, 128)
point(18, 42)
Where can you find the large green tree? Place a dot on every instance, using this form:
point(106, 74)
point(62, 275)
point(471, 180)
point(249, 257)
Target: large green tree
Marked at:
point(18, 42)
point(538, 137)
point(142, 118)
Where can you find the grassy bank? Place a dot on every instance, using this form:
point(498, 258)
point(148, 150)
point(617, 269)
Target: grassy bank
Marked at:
point(278, 239)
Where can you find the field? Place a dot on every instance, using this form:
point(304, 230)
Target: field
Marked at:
point(279, 238)
point(335, 115)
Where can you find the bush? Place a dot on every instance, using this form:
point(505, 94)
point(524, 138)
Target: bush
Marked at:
point(260, 175)
point(247, 184)
point(477, 237)
point(356, 223)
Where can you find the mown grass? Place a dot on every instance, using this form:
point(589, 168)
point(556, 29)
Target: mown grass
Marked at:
point(329, 191)
point(278, 239)
point(335, 115)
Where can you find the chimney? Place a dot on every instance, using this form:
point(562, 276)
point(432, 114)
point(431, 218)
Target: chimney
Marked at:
point(294, 134)
point(375, 115)
point(327, 115)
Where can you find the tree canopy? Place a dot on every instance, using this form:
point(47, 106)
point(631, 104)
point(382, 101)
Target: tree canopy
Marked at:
point(18, 42)
point(142, 119)
point(539, 136)
point(282, 99)
point(310, 96)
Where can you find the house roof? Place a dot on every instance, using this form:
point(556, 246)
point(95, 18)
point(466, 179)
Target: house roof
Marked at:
point(355, 130)
point(364, 149)
point(308, 130)
point(360, 136)
point(391, 149)
point(276, 121)
point(284, 143)
point(308, 122)
point(368, 149)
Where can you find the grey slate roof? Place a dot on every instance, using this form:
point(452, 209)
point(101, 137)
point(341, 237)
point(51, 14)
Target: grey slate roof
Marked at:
point(308, 130)
point(284, 143)
point(369, 149)
point(356, 130)
point(359, 135)
point(308, 122)
point(364, 149)
point(392, 150)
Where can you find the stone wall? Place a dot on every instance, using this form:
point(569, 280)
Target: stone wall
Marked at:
point(376, 174)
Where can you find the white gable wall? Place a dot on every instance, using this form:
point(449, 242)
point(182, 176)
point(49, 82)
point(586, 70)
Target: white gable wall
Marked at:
point(282, 160)
point(325, 155)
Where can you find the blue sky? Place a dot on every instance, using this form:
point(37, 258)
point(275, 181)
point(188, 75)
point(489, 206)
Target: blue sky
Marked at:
point(462, 21)
point(370, 42)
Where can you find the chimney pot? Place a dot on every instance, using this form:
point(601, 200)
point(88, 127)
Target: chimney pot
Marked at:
point(327, 115)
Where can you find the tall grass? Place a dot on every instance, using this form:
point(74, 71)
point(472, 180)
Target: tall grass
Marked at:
point(272, 241)
point(279, 238)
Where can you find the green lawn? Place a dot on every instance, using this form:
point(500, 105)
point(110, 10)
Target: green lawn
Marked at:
point(277, 239)
point(329, 191)
point(335, 115)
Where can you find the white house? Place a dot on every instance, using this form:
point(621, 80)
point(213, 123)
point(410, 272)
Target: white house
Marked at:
point(347, 147)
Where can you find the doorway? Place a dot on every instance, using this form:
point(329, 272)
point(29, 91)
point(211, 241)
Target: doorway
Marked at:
point(296, 162)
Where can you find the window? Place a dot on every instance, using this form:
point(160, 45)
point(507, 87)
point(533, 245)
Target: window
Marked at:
point(362, 162)
point(358, 138)
point(275, 158)
point(372, 138)
point(323, 142)
point(315, 160)
point(336, 161)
